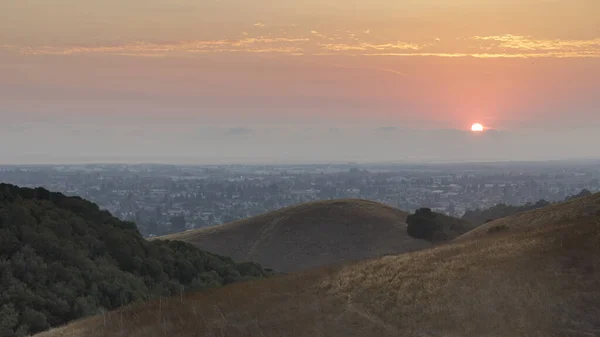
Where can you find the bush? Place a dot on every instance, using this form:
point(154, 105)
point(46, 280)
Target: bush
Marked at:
point(422, 224)
point(435, 227)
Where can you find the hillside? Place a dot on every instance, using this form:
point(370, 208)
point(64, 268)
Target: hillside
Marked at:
point(310, 235)
point(540, 282)
point(480, 216)
point(567, 211)
point(62, 258)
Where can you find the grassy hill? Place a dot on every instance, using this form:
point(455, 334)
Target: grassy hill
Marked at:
point(480, 216)
point(541, 281)
point(62, 258)
point(310, 235)
point(567, 211)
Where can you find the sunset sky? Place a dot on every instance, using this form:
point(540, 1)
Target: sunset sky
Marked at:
point(298, 80)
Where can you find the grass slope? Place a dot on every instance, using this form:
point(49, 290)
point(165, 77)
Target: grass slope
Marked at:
point(567, 211)
point(310, 235)
point(542, 281)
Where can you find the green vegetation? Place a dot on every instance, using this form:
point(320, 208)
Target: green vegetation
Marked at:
point(480, 216)
point(435, 227)
point(62, 258)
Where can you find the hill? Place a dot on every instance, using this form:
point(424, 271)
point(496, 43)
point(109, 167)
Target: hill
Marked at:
point(480, 216)
point(62, 258)
point(540, 282)
point(310, 235)
point(570, 210)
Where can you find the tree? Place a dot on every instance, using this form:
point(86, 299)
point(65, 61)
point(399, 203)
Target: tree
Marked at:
point(35, 320)
point(422, 224)
point(583, 193)
point(9, 318)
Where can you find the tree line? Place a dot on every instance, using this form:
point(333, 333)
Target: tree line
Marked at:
point(62, 258)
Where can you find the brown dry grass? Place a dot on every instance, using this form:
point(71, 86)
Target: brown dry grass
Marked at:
point(310, 235)
point(542, 281)
point(571, 210)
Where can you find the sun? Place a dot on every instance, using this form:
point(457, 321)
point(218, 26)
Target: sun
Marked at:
point(477, 127)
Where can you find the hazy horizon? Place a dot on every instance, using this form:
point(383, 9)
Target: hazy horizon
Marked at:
point(311, 81)
point(91, 143)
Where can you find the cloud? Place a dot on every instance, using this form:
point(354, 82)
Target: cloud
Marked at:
point(317, 34)
point(386, 70)
point(493, 55)
point(526, 43)
point(364, 46)
point(159, 8)
point(345, 44)
point(247, 44)
point(260, 25)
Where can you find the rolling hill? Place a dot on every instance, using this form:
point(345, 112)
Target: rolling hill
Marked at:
point(310, 235)
point(542, 280)
point(567, 211)
point(479, 217)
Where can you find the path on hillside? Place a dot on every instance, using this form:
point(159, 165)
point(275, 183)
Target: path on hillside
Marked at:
point(262, 234)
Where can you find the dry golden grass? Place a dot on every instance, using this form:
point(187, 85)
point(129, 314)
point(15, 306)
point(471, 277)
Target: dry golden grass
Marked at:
point(542, 281)
point(310, 235)
point(571, 210)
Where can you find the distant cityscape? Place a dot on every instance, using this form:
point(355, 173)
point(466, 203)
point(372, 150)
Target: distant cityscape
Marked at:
point(163, 199)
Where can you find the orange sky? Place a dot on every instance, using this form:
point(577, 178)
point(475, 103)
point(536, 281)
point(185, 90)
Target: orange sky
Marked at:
point(426, 64)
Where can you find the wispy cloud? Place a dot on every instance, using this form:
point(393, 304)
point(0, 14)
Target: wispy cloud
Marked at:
point(529, 44)
point(364, 46)
point(386, 70)
point(317, 34)
point(317, 43)
point(247, 44)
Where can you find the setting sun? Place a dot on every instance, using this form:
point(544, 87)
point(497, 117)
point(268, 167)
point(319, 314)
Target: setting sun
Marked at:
point(477, 127)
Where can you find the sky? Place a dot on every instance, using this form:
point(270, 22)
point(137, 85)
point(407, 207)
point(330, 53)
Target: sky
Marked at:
point(217, 81)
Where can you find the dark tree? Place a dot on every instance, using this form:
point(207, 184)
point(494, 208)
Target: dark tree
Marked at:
point(583, 193)
point(422, 224)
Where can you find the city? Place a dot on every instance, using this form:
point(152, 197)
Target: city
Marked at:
point(163, 199)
